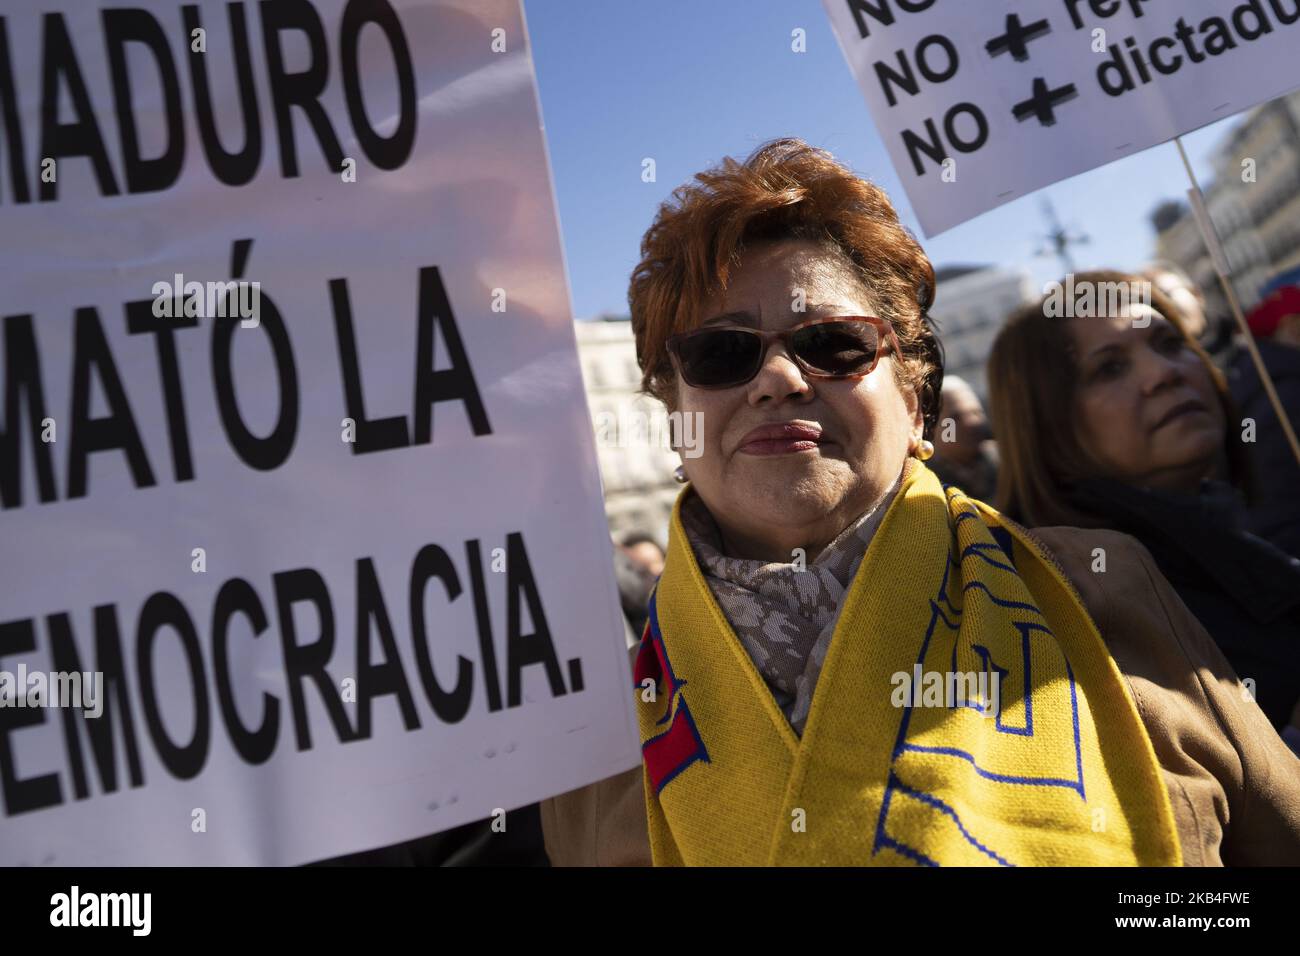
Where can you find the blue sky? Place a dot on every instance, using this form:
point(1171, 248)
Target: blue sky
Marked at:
point(688, 82)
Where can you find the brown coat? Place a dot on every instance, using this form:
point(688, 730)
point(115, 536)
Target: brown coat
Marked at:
point(1233, 783)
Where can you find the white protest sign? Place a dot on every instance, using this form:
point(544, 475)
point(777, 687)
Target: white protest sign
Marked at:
point(980, 103)
point(328, 541)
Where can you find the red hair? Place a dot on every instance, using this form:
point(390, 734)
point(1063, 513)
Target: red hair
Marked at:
point(786, 189)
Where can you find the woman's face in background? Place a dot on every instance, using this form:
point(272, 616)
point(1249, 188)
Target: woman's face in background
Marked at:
point(769, 501)
point(1147, 408)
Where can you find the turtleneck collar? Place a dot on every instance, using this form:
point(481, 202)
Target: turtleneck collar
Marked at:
point(1200, 536)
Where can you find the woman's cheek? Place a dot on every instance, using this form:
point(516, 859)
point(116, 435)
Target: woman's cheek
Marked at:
point(711, 425)
point(1209, 394)
point(1093, 412)
point(1103, 432)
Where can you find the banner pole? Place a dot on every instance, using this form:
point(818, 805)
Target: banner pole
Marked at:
point(1221, 269)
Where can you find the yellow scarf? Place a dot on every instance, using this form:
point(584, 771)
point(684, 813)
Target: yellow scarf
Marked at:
point(1062, 774)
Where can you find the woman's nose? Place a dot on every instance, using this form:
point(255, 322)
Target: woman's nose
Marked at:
point(779, 376)
point(1160, 371)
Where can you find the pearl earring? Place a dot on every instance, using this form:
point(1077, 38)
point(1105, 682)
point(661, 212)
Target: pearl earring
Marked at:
point(679, 475)
point(925, 449)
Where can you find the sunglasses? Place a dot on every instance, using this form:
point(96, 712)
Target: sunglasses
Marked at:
point(844, 346)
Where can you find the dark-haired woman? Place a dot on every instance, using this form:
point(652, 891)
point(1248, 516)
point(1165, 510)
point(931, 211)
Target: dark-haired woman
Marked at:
point(1119, 420)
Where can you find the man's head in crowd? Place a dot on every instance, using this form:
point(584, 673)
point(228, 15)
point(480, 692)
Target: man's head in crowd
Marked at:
point(970, 426)
point(645, 552)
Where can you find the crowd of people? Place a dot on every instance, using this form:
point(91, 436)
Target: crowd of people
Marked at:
point(1132, 483)
point(1117, 539)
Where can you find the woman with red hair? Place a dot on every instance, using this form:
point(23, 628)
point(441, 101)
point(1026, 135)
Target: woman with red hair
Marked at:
point(847, 662)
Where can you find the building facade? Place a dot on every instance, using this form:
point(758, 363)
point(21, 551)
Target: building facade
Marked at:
point(631, 430)
point(1253, 199)
point(971, 303)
